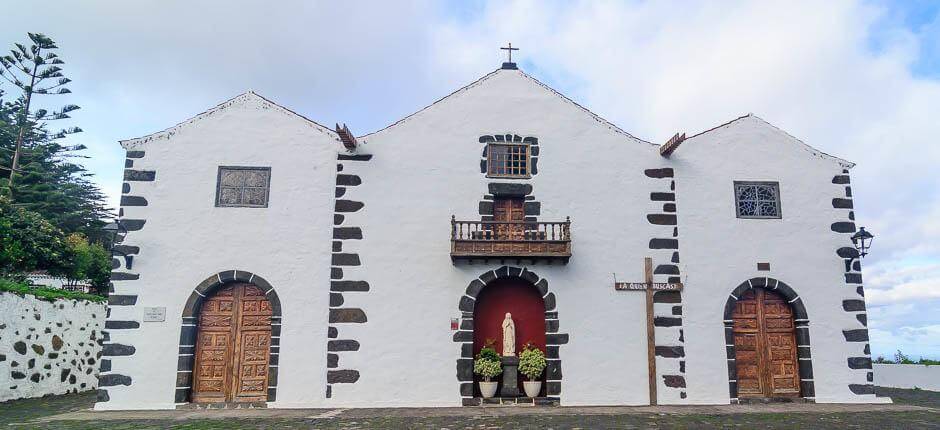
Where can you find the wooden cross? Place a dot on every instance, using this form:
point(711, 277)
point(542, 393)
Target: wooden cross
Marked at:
point(650, 288)
point(509, 50)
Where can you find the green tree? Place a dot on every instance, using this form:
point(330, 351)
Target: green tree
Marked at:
point(41, 175)
point(28, 242)
point(85, 261)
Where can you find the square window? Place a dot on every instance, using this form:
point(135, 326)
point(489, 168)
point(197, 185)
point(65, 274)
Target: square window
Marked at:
point(757, 199)
point(508, 160)
point(243, 187)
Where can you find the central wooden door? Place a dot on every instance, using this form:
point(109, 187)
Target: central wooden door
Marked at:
point(765, 346)
point(509, 210)
point(232, 346)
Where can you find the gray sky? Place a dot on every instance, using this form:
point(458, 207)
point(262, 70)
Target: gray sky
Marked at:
point(858, 80)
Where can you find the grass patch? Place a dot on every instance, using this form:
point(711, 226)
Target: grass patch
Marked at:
point(47, 294)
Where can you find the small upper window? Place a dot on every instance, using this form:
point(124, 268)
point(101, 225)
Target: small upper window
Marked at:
point(243, 187)
point(508, 160)
point(757, 199)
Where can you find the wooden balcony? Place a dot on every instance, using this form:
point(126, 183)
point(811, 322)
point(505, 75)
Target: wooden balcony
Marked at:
point(510, 240)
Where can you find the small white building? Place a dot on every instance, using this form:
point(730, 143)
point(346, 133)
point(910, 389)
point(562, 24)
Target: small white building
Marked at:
point(275, 261)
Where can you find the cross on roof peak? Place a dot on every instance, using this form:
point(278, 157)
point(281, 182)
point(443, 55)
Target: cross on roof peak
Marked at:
point(509, 64)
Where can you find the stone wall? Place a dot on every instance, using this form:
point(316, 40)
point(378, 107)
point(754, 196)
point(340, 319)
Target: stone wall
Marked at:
point(48, 347)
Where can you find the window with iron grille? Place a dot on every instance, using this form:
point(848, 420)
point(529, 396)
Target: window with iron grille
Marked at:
point(508, 160)
point(757, 199)
point(243, 187)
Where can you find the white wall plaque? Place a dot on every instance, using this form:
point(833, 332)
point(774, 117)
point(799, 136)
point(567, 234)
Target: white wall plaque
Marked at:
point(157, 314)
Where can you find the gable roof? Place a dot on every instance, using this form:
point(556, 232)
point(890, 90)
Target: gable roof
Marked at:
point(241, 99)
point(803, 145)
point(494, 73)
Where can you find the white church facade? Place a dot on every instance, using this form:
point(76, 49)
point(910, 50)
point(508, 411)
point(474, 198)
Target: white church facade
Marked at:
point(274, 261)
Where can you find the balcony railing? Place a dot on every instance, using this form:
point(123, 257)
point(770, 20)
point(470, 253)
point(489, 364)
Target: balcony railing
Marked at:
point(510, 239)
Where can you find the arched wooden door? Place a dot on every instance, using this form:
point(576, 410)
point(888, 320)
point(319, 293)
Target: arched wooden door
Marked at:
point(765, 346)
point(232, 346)
point(522, 300)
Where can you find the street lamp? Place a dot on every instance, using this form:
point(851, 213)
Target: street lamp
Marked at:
point(117, 231)
point(862, 241)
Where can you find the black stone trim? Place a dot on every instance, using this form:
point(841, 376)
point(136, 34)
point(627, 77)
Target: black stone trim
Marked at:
point(804, 359)
point(348, 206)
point(121, 300)
point(464, 336)
point(348, 180)
point(133, 201)
point(185, 361)
point(135, 154)
point(347, 316)
point(113, 379)
point(357, 157)
point(664, 243)
point(856, 335)
point(665, 172)
point(133, 224)
point(117, 349)
point(121, 325)
point(859, 362)
point(842, 203)
point(843, 227)
point(342, 376)
point(140, 175)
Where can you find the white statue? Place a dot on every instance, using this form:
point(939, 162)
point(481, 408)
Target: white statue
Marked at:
point(509, 336)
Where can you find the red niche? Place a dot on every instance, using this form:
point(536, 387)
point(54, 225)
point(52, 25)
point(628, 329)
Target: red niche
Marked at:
point(522, 300)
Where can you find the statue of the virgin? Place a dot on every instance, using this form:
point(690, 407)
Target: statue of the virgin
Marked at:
point(509, 336)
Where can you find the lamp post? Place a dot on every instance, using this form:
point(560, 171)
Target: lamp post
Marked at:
point(117, 231)
point(862, 241)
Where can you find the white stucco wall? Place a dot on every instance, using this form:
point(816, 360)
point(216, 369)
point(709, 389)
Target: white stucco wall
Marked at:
point(908, 376)
point(187, 239)
point(48, 347)
point(720, 251)
point(425, 169)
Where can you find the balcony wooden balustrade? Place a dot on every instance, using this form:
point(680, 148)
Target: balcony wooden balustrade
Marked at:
point(510, 240)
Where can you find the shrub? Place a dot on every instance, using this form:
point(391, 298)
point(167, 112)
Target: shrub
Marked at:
point(487, 363)
point(47, 294)
point(531, 362)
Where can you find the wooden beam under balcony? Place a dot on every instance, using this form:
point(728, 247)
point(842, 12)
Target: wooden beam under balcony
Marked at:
point(510, 240)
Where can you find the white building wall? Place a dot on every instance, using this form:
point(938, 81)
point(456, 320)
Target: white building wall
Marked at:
point(186, 239)
point(720, 251)
point(425, 169)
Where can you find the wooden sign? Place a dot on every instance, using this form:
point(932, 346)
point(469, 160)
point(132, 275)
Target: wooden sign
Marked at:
point(640, 286)
point(649, 287)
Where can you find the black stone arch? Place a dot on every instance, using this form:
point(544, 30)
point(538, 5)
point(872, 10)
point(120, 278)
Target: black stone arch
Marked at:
point(464, 336)
point(190, 316)
point(801, 322)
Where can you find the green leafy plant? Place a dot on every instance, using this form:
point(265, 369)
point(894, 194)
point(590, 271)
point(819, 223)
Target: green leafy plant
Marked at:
point(531, 362)
point(47, 294)
point(487, 363)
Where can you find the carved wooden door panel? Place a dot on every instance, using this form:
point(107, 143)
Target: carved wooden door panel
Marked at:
point(252, 346)
point(233, 339)
point(765, 346)
point(214, 347)
point(747, 345)
point(509, 209)
point(783, 374)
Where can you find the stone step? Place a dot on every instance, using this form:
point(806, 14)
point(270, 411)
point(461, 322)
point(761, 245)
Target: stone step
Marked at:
point(512, 401)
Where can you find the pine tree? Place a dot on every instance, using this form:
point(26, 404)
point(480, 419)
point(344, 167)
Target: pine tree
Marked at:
point(39, 173)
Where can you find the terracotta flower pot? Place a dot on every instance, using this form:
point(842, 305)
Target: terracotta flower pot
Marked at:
point(488, 389)
point(532, 388)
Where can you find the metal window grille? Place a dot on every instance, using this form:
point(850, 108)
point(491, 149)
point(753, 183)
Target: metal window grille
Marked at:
point(243, 187)
point(757, 199)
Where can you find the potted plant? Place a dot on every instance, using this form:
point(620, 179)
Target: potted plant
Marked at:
point(488, 366)
point(532, 364)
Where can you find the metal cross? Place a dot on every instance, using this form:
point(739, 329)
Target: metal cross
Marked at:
point(509, 50)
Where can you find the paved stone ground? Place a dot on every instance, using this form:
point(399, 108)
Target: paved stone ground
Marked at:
point(913, 409)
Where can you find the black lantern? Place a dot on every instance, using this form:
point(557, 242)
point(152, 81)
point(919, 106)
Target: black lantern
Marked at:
point(862, 240)
point(117, 231)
